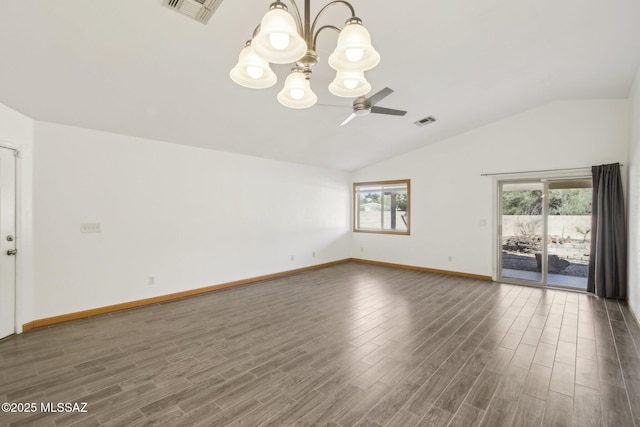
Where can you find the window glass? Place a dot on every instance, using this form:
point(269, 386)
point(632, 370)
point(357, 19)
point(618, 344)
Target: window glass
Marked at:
point(382, 207)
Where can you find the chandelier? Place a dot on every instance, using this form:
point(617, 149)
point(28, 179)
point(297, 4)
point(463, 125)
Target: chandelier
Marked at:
point(282, 38)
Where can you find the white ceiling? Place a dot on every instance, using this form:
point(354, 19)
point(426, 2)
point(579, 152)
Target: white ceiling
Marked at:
point(135, 67)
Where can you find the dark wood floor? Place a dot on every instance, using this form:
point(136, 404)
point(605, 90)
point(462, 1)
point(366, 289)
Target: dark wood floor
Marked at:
point(352, 344)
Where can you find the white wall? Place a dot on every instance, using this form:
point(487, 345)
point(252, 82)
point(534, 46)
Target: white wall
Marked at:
point(16, 131)
point(634, 198)
point(190, 217)
point(449, 198)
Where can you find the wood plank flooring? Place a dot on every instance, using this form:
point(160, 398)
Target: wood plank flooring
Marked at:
point(348, 345)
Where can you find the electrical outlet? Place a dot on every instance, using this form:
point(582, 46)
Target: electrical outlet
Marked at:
point(450, 258)
point(152, 280)
point(291, 257)
point(361, 249)
point(90, 227)
point(313, 254)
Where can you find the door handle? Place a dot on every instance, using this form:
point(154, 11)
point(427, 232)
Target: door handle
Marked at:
point(12, 251)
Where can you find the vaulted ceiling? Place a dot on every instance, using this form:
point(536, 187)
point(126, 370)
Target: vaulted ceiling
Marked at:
point(140, 69)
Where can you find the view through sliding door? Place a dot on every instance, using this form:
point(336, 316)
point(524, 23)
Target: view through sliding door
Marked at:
point(544, 232)
point(521, 229)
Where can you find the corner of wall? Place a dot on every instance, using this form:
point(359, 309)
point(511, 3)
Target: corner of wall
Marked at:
point(633, 206)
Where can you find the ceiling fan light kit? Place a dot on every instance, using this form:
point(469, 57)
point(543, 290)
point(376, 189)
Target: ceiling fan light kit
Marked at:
point(363, 106)
point(282, 38)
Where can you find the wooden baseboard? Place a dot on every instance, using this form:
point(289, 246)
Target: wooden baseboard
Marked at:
point(162, 298)
point(425, 269)
point(48, 321)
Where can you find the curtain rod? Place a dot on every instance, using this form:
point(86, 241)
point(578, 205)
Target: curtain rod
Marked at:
point(542, 170)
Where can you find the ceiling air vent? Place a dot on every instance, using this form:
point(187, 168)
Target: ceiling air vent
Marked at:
point(425, 121)
point(200, 10)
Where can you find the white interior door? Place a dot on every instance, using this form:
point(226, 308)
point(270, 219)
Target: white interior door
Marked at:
point(7, 242)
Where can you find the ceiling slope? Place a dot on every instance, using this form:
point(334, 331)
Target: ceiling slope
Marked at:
point(138, 68)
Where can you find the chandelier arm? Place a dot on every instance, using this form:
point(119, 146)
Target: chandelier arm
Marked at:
point(324, 27)
point(333, 3)
point(298, 17)
point(256, 31)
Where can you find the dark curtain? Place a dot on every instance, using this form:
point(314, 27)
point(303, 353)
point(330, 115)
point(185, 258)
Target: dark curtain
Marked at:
point(608, 260)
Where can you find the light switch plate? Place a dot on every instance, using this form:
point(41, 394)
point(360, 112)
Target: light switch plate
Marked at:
point(91, 227)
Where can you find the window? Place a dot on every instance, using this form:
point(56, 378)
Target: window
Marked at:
point(382, 207)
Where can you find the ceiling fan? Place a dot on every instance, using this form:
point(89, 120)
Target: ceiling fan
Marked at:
point(363, 106)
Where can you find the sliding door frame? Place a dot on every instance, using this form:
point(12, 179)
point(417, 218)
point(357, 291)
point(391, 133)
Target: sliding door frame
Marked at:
point(544, 178)
point(543, 249)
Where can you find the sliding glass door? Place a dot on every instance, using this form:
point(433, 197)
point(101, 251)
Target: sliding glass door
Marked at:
point(569, 228)
point(522, 230)
point(544, 232)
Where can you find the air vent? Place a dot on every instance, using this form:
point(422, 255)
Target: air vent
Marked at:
point(200, 10)
point(425, 121)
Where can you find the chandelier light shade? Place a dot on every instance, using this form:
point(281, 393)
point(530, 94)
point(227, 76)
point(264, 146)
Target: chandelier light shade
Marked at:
point(283, 38)
point(278, 40)
point(354, 51)
point(252, 70)
point(297, 91)
point(349, 84)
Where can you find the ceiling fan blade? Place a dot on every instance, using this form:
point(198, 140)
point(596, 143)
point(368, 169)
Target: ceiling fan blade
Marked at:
point(348, 119)
point(389, 111)
point(334, 105)
point(377, 97)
